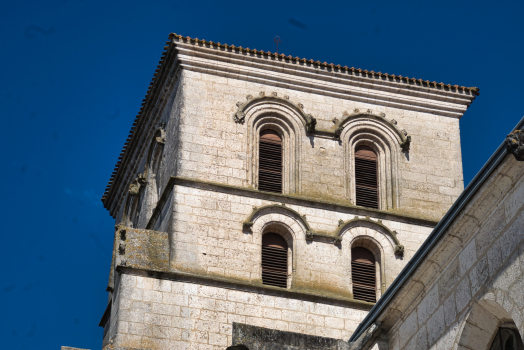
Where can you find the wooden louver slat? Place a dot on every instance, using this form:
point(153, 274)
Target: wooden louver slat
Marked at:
point(270, 162)
point(363, 274)
point(274, 260)
point(366, 177)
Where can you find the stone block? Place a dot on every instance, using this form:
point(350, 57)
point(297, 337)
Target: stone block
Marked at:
point(467, 257)
point(435, 326)
point(450, 310)
point(428, 305)
point(408, 328)
point(462, 294)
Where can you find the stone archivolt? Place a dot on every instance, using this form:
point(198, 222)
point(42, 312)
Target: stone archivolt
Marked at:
point(310, 121)
point(334, 237)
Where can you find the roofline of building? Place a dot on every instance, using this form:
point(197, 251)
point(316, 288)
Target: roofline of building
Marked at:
point(437, 233)
point(239, 50)
point(444, 95)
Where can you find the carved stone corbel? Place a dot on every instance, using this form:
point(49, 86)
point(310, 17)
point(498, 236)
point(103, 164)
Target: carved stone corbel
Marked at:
point(137, 184)
point(310, 124)
point(405, 145)
point(240, 117)
point(399, 250)
point(515, 144)
point(161, 139)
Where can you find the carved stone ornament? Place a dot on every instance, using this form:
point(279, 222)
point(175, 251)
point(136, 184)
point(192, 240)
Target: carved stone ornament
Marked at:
point(399, 250)
point(249, 97)
point(405, 145)
point(337, 240)
point(338, 131)
point(310, 124)
point(136, 185)
point(162, 138)
point(247, 226)
point(240, 117)
point(515, 144)
point(309, 235)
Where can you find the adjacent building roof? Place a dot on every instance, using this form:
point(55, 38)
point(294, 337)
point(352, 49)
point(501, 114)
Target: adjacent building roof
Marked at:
point(438, 232)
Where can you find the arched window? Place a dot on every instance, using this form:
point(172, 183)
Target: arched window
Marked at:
point(366, 180)
point(363, 274)
point(274, 260)
point(270, 162)
point(507, 339)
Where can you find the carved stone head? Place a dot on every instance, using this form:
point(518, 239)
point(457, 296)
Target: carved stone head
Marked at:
point(515, 144)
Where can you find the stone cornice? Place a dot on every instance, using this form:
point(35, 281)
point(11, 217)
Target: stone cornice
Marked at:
point(358, 85)
point(276, 70)
point(282, 198)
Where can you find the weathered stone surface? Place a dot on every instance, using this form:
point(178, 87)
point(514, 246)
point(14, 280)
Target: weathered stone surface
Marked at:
point(187, 261)
point(259, 338)
point(480, 279)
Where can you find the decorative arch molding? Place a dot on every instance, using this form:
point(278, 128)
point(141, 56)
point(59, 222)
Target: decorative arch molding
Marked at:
point(133, 201)
point(385, 142)
point(488, 315)
point(239, 117)
point(269, 112)
point(376, 245)
point(247, 225)
point(152, 169)
point(282, 221)
point(378, 226)
point(402, 137)
point(335, 237)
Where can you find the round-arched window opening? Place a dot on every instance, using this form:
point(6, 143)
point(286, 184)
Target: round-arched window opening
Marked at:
point(270, 161)
point(366, 177)
point(363, 275)
point(507, 339)
point(274, 260)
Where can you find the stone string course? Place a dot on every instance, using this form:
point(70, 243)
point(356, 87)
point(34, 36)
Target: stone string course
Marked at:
point(214, 148)
point(208, 238)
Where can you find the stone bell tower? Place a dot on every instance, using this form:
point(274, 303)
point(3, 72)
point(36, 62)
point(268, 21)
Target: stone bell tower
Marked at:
point(260, 193)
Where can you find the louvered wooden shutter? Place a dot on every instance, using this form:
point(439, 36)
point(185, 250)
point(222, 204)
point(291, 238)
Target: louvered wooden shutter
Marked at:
point(270, 162)
point(363, 275)
point(366, 177)
point(274, 260)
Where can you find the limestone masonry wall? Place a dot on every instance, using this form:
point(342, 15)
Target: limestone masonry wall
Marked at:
point(161, 314)
point(194, 183)
point(215, 148)
point(208, 238)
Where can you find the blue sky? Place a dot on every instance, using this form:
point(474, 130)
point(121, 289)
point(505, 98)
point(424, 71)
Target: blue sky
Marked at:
point(74, 74)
